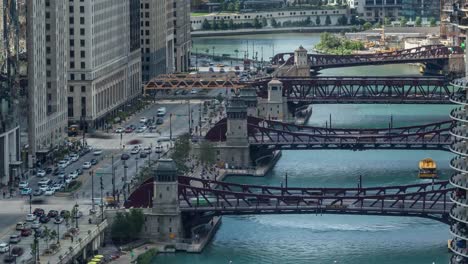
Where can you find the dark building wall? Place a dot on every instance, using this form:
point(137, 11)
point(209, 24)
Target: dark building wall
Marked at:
point(134, 24)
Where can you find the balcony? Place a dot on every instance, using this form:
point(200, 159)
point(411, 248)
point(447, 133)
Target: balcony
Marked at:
point(460, 131)
point(459, 180)
point(459, 230)
point(459, 164)
point(461, 252)
point(460, 83)
point(459, 214)
point(456, 197)
point(460, 148)
point(459, 98)
point(459, 114)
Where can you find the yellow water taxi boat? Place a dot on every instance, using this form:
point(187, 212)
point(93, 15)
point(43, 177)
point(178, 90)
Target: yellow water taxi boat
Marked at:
point(427, 169)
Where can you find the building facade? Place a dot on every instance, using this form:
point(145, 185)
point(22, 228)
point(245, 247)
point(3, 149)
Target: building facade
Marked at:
point(182, 37)
point(47, 68)
point(104, 64)
point(377, 10)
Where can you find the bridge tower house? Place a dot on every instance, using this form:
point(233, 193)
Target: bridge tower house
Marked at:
point(249, 95)
point(275, 106)
point(163, 223)
point(235, 152)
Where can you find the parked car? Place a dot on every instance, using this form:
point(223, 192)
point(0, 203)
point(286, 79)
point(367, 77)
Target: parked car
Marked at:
point(43, 188)
point(44, 181)
point(49, 170)
point(79, 171)
point(74, 157)
point(58, 220)
point(23, 184)
point(53, 213)
point(39, 233)
point(30, 217)
point(141, 129)
point(44, 219)
point(73, 175)
point(37, 192)
point(26, 191)
point(64, 212)
point(58, 186)
point(17, 251)
point(41, 173)
point(194, 91)
point(86, 165)
point(20, 226)
point(94, 162)
point(49, 192)
point(159, 121)
point(135, 150)
point(143, 155)
point(26, 232)
point(147, 150)
point(62, 164)
point(4, 247)
point(97, 152)
point(15, 238)
point(36, 224)
point(128, 130)
point(38, 212)
point(143, 120)
point(119, 130)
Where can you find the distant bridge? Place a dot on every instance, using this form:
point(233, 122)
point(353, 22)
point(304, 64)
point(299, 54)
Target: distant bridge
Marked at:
point(431, 53)
point(199, 196)
point(271, 135)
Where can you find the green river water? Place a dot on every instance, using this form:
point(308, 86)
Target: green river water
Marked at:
point(301, 239)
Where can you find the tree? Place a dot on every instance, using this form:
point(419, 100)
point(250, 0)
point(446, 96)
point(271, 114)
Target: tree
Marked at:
point(386, 21)
point(256, 23)
point(317, 20)
point(273, 22)
point(231, 24)
point(433, 22)
point(46, 232)
point(181, 152)
point(53, 235)
point(207, 153)
point(367, 26)
point(231, 7)
point(377, 25)
point(403, 21)
point(264, 22)
point(206, 25)
point(343, 20)
point(418, 21)
point(237, 6)
point(353, 20)
point(222, 24)
point(327, 20)
point(214, 25)
point(308, 21)
point(127, 226)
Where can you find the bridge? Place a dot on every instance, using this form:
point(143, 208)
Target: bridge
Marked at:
point(199, 197)
point(431, 53)
point(272, 135)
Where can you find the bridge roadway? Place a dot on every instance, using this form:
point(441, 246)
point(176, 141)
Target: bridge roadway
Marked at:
point(430, 53)
point(423, 200)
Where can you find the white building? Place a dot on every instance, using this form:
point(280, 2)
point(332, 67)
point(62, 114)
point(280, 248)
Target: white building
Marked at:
point(280, 16)
point(104, 72)
point(47, 80)
point(376, 10)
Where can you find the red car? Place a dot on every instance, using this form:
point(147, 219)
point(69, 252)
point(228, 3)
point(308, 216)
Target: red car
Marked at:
point(26, 232)
point(128, 130)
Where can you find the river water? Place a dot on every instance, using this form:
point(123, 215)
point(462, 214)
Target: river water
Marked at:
point(301, 239)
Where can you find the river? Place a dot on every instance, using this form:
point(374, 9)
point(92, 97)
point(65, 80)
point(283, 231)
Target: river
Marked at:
point(301, 239)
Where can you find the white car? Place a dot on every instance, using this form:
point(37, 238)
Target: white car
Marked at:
point(57, 186)
point(193, 91)
point(141, 129)
point(41, 173)
point(68, 180)
point(135, 150)
point(36, 224)
point(143, 120)
point(97, 152)
point(158, 149)
point(73, 175)
point(23, 184)
point(119, 130)
point(86, 165)
point(43, 188)
point(44, 181)
point(74, 157)
point(147, 150)
point(4, 247)
point(49, 192)
point(30, 217)
point(62, 164)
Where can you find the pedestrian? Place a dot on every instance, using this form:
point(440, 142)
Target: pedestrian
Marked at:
point(72, 238)
point(4, 194)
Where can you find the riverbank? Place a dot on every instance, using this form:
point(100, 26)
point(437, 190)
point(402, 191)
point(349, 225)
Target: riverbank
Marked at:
point(254, 31)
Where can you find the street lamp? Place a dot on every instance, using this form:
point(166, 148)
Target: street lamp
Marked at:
point(30, 203)
point(170, 126)
point(136, 167)
point(76, 215)
point(58, 234)
point(91, 172)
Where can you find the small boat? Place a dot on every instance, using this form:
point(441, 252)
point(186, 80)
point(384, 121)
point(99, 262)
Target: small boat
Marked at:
point(427, 169)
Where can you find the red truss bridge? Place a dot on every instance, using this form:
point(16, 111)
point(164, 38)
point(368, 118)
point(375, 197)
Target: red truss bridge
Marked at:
point(199, 196)
point(272, 135)
point(430, 53)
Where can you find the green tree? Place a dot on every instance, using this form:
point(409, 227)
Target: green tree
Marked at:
point(237, 6)
point(264, 22)
point(222, 24)
point(327, 20)
point(387, 21)
point(343, 20)
point(377, 25)
point(214, 25)
point(53, 235)
point(418, 21)
point(273, 22)
point(127, 226)
point(433, 22)
point(231, 7)
point(206, 25)
point(231, 24)
point(353, 20)
point(403, 21)
point(256, 23)
point(181, 152)
point(367, 25)
point(317, 20)
point(46, 232)
point(207, 153)
point(308, 21)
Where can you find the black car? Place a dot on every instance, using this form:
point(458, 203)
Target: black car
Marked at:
point(184, 92)
point(143, 155)
point(44, 219)
point(56, 171)
point(159, 121)
point(48, 170)
point(39, 212)
point(52, 213)
point(94, 162)
point(124, 156)
point(79, 171)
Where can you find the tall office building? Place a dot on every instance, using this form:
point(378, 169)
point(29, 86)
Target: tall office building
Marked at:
point(47, 80)
point(105, 62)
point(165, 37)
point(421, 8)
point(182, 37)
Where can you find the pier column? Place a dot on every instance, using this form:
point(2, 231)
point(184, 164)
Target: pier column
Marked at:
point(164, 223)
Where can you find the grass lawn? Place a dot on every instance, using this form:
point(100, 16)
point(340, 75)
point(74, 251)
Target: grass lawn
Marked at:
point(199, 14)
